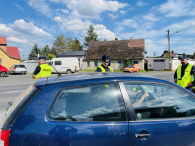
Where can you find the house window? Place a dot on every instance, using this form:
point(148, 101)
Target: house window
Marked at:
point(95, 63)
point(88, 63)
point(119, 62)
point(134, 62)
point(57, 62)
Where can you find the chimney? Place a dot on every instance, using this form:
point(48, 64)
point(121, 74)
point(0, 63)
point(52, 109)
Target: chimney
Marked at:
point(116, 39)
point(104, 39)
point(131, 38)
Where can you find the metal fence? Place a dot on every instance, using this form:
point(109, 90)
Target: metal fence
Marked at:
point(30, 65)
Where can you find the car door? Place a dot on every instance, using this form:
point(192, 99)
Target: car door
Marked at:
point(89, 115)
point(58, 65)
point(164, 114)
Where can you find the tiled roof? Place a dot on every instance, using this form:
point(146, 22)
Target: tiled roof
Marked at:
point(11, 52)
point(72, 53)
point(3, 41)
point(117, 49)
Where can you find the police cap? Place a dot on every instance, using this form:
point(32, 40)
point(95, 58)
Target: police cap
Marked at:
point(184, 57)
point(44, 58)
point(105, 57)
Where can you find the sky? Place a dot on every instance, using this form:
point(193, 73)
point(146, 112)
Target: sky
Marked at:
point(26, 22)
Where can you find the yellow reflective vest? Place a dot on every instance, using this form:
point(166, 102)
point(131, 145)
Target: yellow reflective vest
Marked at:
point(45, 71)
point(187, 78)
point(103, 69)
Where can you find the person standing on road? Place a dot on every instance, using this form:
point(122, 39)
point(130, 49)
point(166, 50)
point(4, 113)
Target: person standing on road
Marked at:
point(184, 74)
point(43, 69)
point(104, 66)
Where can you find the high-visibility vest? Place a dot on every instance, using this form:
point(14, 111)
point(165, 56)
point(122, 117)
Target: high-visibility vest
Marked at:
point(103, 69)
point(187, 78)
point(45, 71)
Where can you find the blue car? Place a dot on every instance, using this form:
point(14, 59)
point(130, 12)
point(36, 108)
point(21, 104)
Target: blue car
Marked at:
point(101, 109)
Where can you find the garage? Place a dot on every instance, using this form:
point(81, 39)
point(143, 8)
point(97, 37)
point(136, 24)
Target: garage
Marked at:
point(159, 65)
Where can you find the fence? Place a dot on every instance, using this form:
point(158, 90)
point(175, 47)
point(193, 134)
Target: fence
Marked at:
point(30, 65)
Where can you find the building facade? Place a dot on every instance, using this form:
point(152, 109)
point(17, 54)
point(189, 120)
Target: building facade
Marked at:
point(118, 51)
point(8, 55)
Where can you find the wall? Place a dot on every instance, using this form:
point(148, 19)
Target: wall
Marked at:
point(114, 64)
point(140, 64)
point(30, 66)
point(7, 61)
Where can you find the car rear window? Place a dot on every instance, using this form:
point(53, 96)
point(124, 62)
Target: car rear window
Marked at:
point(19, 104)
point(20, 66)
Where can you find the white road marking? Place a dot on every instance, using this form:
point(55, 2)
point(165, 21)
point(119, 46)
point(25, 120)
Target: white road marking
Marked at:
point(15, 91)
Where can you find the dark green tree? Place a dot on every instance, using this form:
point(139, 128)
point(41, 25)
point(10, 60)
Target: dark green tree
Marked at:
point(53, 51)
point(76, 45)
point(50, 56)
point(127, 62)
point(91, 36)
point(34, 53)
point(45, 51)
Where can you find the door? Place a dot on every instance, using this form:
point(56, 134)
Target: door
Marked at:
point(165, 115)
point(159, 65)
point(89, 115)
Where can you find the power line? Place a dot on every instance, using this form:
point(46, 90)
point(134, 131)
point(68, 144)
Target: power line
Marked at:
point(157, 44)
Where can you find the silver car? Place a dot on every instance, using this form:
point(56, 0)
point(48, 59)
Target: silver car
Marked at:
point(18, 69)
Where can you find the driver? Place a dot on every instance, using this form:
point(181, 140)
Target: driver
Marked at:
point(137, 96)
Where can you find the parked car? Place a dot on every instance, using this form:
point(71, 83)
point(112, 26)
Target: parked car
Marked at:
point(101, 109)
point(132, 68)
point(18, 69)
point(64, 65)
point(4, 72)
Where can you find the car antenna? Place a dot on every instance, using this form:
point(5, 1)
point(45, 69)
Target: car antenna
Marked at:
point(59, 74)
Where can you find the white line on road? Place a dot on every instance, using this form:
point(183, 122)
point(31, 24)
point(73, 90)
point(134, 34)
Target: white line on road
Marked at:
point(15, 91)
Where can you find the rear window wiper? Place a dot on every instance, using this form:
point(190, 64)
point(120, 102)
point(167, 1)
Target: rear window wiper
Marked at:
point(61, 118)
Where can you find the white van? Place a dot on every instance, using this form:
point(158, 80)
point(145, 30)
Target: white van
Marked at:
point(64, 65)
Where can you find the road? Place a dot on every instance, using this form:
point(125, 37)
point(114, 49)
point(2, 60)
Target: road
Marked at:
point(11, 87)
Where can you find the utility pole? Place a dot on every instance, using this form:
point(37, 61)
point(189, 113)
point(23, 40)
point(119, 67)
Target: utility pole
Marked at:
point(169, 50)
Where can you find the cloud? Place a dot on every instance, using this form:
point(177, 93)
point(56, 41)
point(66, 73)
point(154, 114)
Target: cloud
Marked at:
point(91, 9)
point(177, 8)
point(19, 7)
point(17, 40)
point(141, 3)
point(150, 17)
point(65, 11)
point(21, 50)
point(103, 33)
point(129, 23)
point(112, 16)
point(73, 25)
point(28, 28)
point(7, 31)
point(41, 6)
point(123, 12)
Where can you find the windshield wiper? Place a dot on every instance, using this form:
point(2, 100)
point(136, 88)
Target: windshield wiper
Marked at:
point(61, 118)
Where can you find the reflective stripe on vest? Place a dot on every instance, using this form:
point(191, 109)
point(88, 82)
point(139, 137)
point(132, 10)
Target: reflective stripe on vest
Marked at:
point(187, 78)
point(45, 71)
point(103, 69)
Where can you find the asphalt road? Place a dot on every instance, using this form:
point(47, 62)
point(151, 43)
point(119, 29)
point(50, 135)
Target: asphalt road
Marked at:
point(11, 87)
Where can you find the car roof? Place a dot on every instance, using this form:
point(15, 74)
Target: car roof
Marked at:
point(84, 78)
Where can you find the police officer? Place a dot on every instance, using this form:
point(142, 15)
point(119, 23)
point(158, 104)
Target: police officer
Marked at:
point(104, 67)
point(43, 69)
point(184, 74)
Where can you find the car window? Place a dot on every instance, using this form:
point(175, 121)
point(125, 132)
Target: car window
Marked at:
point(130, 66)
point(50, 63)
point(157, 101)
point(19, 66)
point(95, 102)
point(57, 62)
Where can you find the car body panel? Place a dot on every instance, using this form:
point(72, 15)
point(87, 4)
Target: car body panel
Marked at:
point(132, 68)
point(17, 69)
point(4, 70)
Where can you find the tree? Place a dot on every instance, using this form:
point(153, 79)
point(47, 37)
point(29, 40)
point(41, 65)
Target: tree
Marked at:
point(45, 51)
point(127, 62)
point(76, 45)
point(59, 44)
point(91, 36)
point(53, 51)
point(34, 53)
point(50, 56)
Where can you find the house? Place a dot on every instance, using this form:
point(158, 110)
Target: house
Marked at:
point(162, 63)
point(78, 54)
point(118, 51)
point(8, 55)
